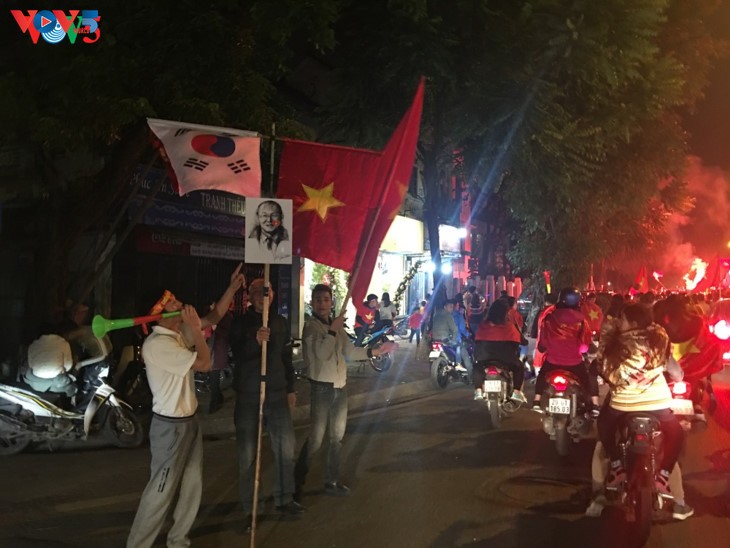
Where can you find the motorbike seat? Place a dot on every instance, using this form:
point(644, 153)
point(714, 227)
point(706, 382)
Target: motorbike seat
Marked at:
point(638, 423)
point(55, 398)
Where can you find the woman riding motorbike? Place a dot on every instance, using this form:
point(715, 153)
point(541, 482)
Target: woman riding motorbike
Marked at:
point(498, 338)
point(564, 338)
point(631, 358)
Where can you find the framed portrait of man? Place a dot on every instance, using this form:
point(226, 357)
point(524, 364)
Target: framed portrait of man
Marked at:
point(268, 231)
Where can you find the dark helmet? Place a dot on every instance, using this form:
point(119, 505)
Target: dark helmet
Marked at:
point(569, 297)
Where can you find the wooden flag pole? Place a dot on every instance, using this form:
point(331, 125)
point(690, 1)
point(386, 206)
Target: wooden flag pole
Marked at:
point(262, 396)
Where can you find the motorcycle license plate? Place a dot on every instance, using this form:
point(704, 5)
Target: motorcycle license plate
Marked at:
point(559, 406)
point(492, 386)
point(434, 354)
point(682, 407)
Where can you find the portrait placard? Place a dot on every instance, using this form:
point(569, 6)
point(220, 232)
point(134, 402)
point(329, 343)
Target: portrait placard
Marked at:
point(268, 231)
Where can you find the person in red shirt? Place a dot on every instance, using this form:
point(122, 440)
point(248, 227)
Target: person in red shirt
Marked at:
point(538, 358)
point(564, 338)
point(498, 338)
point(415, 320)
point(366, 317)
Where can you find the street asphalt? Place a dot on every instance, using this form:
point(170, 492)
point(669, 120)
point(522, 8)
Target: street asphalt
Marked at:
point(409, 376)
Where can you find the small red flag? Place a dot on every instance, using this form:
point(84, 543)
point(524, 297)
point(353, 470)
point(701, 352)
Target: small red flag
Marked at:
point(641, 283)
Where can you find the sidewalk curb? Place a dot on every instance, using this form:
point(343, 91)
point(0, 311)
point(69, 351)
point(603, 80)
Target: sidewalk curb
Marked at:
point(222, 425)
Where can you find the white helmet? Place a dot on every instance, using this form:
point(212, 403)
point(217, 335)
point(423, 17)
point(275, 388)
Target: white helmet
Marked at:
point(49, 356)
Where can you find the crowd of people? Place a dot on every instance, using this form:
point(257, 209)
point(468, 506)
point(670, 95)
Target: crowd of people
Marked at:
point(642, 339)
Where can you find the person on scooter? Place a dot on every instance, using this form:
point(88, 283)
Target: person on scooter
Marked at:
point(50, 361)
point(631, 358)
point(463, 336)
point(367, 317)
point(564, 338)
point(444, 329)
point(498, 338)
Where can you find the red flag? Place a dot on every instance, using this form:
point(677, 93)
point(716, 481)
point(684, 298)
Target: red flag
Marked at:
point(345, 199)
point(641, 282)
point(330, 188)
point(394, 174)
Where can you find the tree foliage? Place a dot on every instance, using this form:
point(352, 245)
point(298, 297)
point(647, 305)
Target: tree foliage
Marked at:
point(570, 111)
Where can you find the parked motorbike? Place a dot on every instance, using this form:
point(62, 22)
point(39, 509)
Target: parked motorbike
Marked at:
point(374, 339)
point(497, 388)
point(400, 327)
point(566, 409)
point(445, 367)
point(28, 416)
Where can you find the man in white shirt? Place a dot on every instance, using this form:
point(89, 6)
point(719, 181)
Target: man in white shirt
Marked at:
point(176, 442)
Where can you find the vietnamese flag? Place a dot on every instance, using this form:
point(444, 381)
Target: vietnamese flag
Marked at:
point(394, 174)
point(700, 356)
point(330, 187)
point(345, 199)
point(641, 282)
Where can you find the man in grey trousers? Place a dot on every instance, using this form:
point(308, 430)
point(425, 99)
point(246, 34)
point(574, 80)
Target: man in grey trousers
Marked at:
point(176, 442)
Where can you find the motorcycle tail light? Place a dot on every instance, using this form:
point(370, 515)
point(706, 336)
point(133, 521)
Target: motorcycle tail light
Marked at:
point(679, 388)
point(492, 371)
point(641, 437)
point(721, 330)
point(560, 383)
point(437, 346)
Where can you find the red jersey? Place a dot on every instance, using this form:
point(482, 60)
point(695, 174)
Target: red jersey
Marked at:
point(365, 316)
point(415, 320)
point(564, 337)
point(489, 331)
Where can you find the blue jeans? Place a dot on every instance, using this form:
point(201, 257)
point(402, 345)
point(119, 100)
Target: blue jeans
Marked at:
point(278, 421)
point(328, 413)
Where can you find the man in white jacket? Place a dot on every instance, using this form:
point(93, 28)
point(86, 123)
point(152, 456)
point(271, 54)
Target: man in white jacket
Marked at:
point(326, 346)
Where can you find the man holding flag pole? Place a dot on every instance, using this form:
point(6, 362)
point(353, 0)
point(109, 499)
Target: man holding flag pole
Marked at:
point(342, 195)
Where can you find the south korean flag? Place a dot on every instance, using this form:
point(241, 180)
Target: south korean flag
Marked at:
point(211, 158)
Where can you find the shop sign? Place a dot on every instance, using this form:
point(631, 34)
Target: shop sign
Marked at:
point(186, 218)
point(404, 236)
point(209, 200)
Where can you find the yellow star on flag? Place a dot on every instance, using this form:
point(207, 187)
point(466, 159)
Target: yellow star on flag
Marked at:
point(320, 200)
point(593, 314)
point(679, 350)
point(369, 316)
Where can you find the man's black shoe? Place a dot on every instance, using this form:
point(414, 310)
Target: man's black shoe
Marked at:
point(337, 489)
point(298, 493)
point(291, 508)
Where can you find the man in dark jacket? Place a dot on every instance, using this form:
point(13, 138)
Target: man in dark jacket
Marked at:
point(246, 337)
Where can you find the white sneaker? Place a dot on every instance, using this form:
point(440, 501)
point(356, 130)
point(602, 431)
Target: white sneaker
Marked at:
point(478, 395)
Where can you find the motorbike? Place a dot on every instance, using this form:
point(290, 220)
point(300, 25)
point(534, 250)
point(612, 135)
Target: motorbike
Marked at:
point(640, 441)
point(566, 409)
point(497, 390)
point(28, 416)
point(400, 327)
point(445, 367)
point(374, 339)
